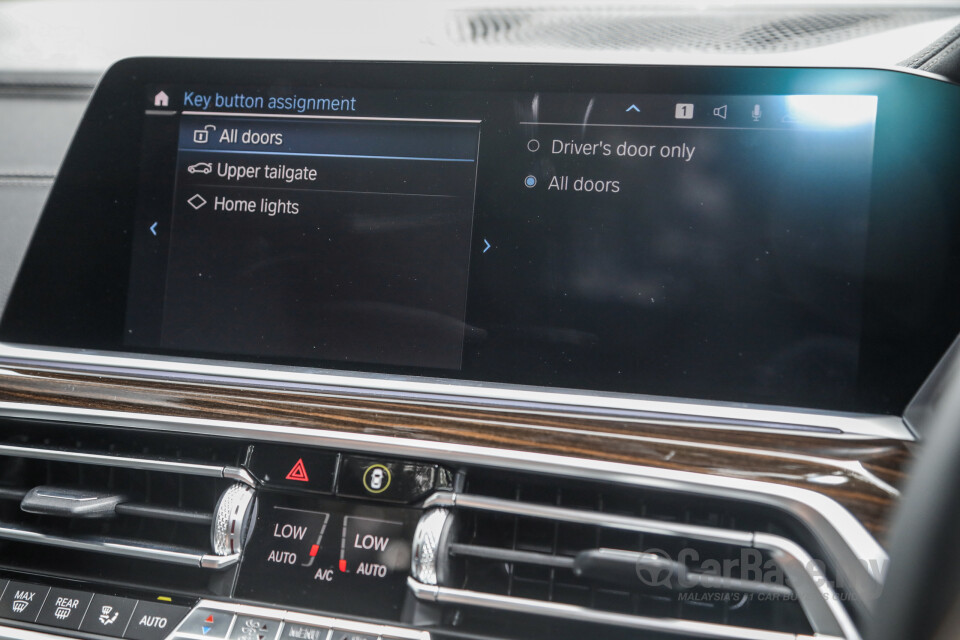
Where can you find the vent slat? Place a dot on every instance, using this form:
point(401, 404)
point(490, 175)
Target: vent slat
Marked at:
point(159, 532)
point(162, 513)
point(534, 539)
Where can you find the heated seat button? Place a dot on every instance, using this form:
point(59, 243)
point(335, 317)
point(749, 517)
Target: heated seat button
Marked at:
point(294, 468)
point(22, 601)
point(389, 480)
point(108, 615)
point(64, 608)
point(154, 620)
point(207, 623)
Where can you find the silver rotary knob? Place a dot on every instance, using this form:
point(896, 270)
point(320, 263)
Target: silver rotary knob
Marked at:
point(427, 563)
point(231, 520)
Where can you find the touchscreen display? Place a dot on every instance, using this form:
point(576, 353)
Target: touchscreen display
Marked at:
point(689, 245)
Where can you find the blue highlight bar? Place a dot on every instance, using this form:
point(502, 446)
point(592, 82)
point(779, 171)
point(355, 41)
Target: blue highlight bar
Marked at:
point(327, 155)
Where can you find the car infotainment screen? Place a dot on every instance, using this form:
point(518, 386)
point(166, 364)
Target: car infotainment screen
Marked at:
point(690, 233)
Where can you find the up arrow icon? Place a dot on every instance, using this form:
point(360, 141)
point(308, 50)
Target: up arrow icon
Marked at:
point(633, 107)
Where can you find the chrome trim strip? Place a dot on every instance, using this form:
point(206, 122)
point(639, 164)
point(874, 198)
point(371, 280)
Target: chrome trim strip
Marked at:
point(210, 561)
point(380, 630)
point(240, 475)
point(117, 548)
point(919, 413)
point(447, 595)
point(858, 558)
point(820, 602)
point(126, 462)
point(697, 413)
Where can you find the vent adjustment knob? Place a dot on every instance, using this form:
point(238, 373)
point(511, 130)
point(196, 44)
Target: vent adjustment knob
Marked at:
point(427, 563)
point(231, 520)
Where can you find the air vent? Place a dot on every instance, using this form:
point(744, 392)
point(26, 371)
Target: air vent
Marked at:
point(618, 28)
point(534, 559)
point(100, 504)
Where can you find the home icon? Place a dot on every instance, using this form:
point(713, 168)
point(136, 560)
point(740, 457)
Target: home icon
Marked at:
point(161, 100)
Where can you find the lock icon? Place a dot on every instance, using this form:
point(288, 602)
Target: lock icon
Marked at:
point(202, 136)
point(376, 478)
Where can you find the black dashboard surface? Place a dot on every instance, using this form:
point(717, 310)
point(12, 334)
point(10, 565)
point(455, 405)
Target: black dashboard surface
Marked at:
point(38, 126)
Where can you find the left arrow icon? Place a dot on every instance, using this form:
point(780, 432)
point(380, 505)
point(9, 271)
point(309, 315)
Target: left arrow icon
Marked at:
point(153, 228)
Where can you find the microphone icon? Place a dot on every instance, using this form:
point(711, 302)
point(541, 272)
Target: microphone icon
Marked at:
point(756, 113)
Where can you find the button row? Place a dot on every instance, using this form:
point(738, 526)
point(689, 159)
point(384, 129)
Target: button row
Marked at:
point(349, 476)
point(207, 623)
point(92, 613)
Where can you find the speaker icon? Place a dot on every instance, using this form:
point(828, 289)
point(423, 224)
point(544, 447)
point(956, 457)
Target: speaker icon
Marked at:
point(721, 112)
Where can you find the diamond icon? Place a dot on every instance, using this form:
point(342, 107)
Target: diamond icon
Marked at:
point(196, 201)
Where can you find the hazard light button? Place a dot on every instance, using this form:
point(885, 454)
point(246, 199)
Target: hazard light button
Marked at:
point(292, 468)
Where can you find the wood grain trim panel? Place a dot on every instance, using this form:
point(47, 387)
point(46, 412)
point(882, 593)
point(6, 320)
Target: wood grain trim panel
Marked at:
point(863, 475)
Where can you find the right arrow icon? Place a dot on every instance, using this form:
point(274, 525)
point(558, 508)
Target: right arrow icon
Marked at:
point(488, 245)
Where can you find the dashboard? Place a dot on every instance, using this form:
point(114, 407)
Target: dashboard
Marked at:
point(378, 350)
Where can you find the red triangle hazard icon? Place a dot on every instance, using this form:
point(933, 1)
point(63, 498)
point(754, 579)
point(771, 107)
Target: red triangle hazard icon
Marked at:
point(299, 472)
